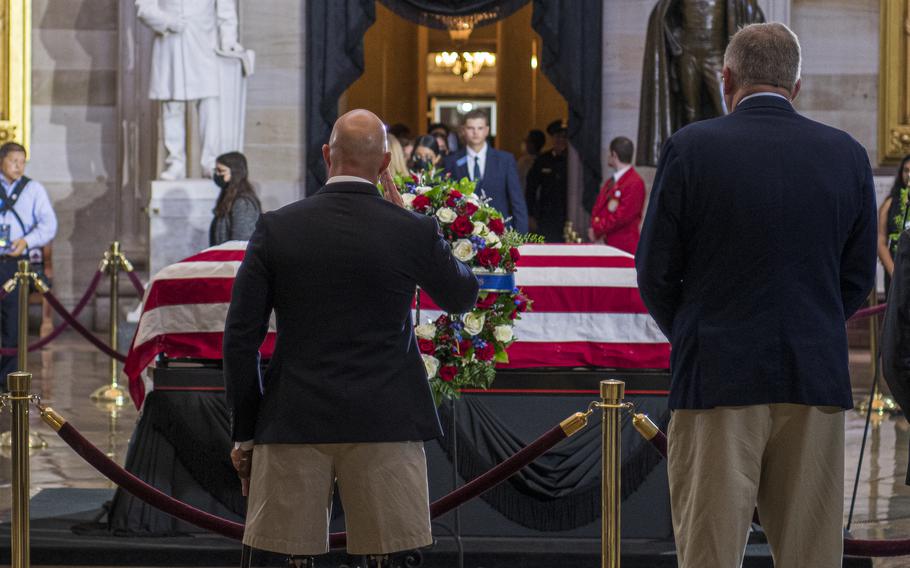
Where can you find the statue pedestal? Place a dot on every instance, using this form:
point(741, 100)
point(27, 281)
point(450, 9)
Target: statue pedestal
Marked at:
point(180, 213)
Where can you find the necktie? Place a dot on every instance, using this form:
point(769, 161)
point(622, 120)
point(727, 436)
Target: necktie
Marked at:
point(476, 169)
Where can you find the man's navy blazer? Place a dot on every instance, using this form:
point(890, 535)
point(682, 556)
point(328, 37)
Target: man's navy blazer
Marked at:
point(499, 183)
point(339, 269)
point(758, 244)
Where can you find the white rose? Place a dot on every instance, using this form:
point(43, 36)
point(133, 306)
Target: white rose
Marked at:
point(408, 199)
point(463, 250)
point(473, 323)
point(503, 333)
point(492, 240)
point(431, 364)
point(472, 198)
point(479, 228)
point(421, 189)
point(425, 331)
point(446, 215)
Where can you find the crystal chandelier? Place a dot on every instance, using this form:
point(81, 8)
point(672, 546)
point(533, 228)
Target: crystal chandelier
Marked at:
point(465, 64)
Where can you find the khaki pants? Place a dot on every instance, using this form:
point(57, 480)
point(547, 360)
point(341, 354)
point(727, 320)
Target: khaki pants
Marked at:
point(383, 488)
point(787, 459)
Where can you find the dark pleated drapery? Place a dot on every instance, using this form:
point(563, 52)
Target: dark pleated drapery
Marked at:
point(572, 49)
point(334, 61)
point(432, 13)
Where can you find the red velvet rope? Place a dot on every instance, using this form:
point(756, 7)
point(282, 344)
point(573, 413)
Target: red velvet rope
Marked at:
point(137, 284)
point(164, 502)
point(852, 546)
point(62, 327)
point(68, 317)
point(868, 312)
point(143, 490)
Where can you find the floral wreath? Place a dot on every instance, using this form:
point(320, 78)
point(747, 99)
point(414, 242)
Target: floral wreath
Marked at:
point(461, 350)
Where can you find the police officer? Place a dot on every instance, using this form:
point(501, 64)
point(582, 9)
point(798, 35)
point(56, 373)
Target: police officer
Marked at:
point(27, 223)
point(547, 184)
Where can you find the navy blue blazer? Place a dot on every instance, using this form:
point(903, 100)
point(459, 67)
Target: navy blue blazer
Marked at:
point(340, 270)
point(500, 183)
point(758, 244)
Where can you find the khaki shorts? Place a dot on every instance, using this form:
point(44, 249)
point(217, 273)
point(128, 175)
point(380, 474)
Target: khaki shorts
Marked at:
point(383, 488)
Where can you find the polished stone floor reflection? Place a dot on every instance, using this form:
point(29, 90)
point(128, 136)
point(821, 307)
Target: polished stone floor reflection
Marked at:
point(70, 369)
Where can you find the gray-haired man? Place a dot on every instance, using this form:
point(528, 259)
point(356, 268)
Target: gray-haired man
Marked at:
point(759, 242)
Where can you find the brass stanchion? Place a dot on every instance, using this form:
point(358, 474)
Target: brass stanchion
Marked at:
point(113, 262)
point(611, 394)
point(19, 383)
point(881, 403)
point(21, 280)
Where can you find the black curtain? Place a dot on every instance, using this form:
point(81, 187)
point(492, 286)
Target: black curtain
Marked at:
point(334, 60)
point(571, 59)
point(431, 13)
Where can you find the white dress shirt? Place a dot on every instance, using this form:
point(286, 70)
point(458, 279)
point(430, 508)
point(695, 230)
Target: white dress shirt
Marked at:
point(761, 94)
point(348, 179)
point(477, 156)
point(619, 173)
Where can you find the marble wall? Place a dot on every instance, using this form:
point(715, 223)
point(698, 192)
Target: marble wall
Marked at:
point(275, 121)
point(840, 46)
point(74, 147)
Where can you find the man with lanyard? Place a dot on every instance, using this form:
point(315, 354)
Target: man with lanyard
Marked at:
point(27, 223)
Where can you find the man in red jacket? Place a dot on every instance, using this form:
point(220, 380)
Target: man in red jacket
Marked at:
point(617, 213)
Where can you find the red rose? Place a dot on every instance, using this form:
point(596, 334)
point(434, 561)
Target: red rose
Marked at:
point(442, 320)
point(463, 346)
point(489, 257)
point(485, 353)
point(470, 209)
point(513, 252)
point(487, 303)
point(448, 373)
point(462, 226)
point(452, 201)
point(521, 303)
point(420, 202)
point(416, 178)
point(496, 225)
point(426, 346)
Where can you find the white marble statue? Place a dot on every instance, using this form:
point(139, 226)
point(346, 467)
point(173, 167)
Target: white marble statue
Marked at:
point(196, 58)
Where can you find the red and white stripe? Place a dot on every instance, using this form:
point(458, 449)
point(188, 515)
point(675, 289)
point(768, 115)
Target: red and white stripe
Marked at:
point(586, 313)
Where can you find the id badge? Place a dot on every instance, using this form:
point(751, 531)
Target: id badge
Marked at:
point(5, 243)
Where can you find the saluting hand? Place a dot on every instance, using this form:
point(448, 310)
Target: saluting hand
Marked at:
point(389, 189)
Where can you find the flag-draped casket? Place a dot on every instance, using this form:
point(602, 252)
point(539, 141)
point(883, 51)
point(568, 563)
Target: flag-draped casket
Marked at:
point(586, 312)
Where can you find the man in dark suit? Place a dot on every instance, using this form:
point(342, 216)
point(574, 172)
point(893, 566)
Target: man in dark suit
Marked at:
point(494, 171)
point(345, 394)
point(759, 243)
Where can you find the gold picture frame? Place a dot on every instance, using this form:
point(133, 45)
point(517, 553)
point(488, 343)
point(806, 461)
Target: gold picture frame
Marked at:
point(894, 82)
point(15, 70)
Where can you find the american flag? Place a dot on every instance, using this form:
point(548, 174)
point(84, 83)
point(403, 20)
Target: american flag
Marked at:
point(586, 312)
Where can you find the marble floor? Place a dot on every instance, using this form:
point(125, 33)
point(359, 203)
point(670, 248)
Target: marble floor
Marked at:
point(70, 369)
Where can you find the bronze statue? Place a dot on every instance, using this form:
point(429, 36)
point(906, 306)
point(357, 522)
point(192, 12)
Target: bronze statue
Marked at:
point(684, 53)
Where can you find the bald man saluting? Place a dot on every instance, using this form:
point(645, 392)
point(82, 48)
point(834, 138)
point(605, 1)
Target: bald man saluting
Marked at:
point(345, 395)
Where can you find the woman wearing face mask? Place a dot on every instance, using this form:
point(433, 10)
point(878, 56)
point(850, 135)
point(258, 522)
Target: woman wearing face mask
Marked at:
point(894, 218)
point(237, 208)
point(426, 153)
